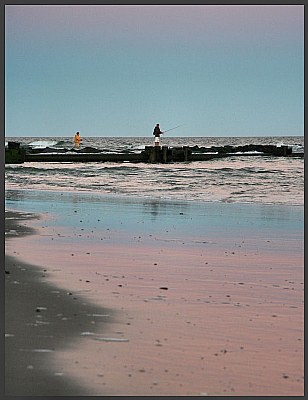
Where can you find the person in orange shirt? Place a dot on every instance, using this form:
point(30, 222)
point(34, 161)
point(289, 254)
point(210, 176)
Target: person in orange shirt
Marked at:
point(77, 140)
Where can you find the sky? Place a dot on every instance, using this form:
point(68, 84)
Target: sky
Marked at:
point(118, 70)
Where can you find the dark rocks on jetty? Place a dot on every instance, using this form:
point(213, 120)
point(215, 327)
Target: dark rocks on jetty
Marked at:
point(15, 154)
point(165, 154)
point(267, 149)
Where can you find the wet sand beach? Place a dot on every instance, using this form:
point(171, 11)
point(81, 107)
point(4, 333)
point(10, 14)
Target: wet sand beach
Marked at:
point(40, 319)
point(161, 299)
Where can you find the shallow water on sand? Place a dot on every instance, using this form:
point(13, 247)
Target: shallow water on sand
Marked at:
point(168, 219)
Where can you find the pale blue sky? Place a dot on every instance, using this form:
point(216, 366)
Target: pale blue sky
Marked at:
point(119, 70)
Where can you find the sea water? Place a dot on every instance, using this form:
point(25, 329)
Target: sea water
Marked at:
point(254, 179)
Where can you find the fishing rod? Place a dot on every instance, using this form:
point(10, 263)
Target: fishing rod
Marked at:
point(172, 128)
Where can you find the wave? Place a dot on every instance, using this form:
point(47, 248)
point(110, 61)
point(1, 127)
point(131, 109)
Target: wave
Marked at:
point(42, 144)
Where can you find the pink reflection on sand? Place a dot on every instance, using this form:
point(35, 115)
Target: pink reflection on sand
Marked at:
point(221, 318)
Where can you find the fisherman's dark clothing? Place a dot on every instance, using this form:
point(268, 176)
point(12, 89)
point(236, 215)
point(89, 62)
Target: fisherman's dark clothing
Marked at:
point(157, 132)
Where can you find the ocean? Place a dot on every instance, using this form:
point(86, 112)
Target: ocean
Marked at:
point(234, 179)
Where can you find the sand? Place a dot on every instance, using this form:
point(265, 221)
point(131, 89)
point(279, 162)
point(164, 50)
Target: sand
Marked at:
point(40, 319)
point(154, 313)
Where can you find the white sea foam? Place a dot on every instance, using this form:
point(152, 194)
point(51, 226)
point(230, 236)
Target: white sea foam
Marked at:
point(103, 339)
point(41, 144)
point(42, 351)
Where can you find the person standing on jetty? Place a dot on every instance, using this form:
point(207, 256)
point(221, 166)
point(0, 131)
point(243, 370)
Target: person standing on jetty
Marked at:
point(157, 132)
point(77, 140)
